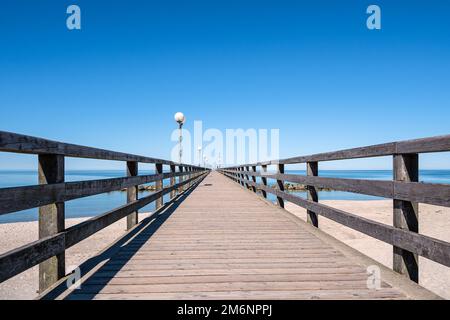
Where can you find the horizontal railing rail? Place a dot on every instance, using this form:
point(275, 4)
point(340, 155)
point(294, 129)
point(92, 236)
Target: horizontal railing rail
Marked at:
point(52, 192)
point(19, 143)
point(430, 193)
point(25, 257)
point(405, 189)
point(22, 198)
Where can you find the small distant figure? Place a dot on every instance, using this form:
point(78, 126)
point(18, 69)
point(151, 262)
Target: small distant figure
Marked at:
point(73, 22)
point(374, 20)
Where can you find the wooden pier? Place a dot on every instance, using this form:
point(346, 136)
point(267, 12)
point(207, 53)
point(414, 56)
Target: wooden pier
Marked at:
point(223, 242)
point(219, 237)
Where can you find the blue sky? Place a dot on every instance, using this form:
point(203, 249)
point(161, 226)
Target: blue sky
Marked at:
point(310, 68)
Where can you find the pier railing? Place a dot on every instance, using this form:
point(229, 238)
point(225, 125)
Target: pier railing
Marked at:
point(52, 192)
point(405, 190)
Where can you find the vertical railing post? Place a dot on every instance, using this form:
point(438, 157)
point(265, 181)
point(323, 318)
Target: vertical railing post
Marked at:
point(180, 179)
point(159, 185)
point(264, 179)
point(132, 194)
point(312, 170)
point(172, 181)
point(254, 179)
point(51, 220)
point(406, 215)
point(280, 184)
point(247, 168)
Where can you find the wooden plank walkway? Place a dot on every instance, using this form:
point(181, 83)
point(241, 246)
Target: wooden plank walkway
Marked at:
point(222, 242)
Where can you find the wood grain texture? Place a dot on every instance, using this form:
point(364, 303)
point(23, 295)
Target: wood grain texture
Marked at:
point(224, 243)
point(51, 219)
point(430, 193)
point(18, 260)
point(19, 143)
point(22, 198)
point(428, 247)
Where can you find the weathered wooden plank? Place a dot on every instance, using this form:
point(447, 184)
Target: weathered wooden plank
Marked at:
point(51, 220)
point(430, 248)
point(18, 260)
point(230, 286)
point(426, 145)
point(406, 215)
point(264, 180)
point(173, 170)
point(27, 256)
point(312, 169)
point(280, 185)
point(360, 294)
point(430, 193)
point(87, 228)
point(132, 194)
point(18, 143)
point(124, 280)
point(22, 198)
point(159, 184)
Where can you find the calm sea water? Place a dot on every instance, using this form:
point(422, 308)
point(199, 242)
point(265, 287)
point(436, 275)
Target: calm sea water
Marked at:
point(95, 205)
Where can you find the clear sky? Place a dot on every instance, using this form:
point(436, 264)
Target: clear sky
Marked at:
point(310, 68)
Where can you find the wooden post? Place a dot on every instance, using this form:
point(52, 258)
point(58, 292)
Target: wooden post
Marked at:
point(247, 168)
point(254, 179)
point(51, 220)
point(312, 169)
point(132, 194)
point(172, 181)
point(180, 179)
point(406, 215)
point(264, 179)
point(280, 184)
point(159, 185)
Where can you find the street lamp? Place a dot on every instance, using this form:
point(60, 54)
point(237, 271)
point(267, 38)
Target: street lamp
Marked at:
point(179, 118)
point(199, 156)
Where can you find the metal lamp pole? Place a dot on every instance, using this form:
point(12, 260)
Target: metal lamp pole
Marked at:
point(180, 119)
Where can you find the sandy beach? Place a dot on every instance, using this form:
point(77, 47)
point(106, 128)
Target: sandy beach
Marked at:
point(434, 222)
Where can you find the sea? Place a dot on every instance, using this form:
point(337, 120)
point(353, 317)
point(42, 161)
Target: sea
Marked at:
point(98, 204)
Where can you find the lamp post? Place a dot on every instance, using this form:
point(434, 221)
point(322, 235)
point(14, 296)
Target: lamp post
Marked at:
point(179, 118)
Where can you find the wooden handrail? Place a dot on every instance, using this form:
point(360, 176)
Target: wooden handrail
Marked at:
point(430, 193)
point(52, 192)
point(404, 189)
point(19, 143)
point(22, 198)
point(426, 145)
